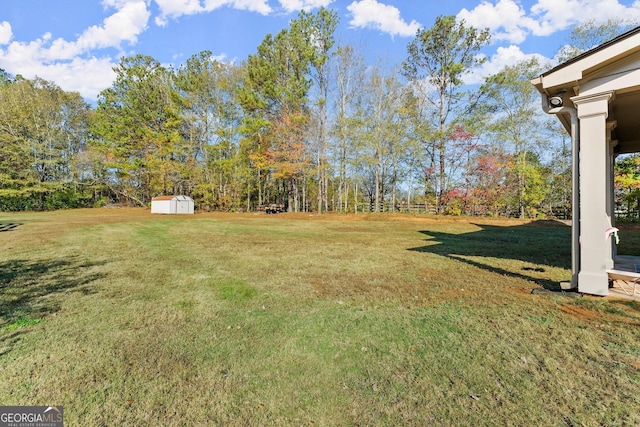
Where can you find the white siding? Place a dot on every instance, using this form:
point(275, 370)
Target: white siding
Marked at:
point(175, 205)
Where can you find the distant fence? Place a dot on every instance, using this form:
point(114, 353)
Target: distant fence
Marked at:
point(622, 212)
point(415, 208)
point(561, 213)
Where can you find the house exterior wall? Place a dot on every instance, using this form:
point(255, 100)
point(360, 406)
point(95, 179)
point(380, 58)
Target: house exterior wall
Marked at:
point(605, 84)
point(623, 76)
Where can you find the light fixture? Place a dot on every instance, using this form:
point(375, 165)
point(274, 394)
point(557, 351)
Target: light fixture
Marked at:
point(556, 101)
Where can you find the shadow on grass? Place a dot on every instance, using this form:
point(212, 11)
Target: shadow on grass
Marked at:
point(8, 226)
point(542, 244)
point(8, 341)
point(29, 288)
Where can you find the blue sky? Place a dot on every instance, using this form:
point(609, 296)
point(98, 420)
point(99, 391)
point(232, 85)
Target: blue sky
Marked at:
point(76, 43)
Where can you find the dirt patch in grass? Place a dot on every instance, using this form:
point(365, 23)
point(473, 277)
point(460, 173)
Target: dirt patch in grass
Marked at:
point(610, 311)
point(581, 312)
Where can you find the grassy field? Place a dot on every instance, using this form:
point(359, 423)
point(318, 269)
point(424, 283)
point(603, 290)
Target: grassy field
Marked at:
point(128, 319)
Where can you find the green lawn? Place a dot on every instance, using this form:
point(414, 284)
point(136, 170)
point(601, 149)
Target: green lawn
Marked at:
point(125, 318)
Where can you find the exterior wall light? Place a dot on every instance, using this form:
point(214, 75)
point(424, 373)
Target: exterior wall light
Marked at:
point(556, 101)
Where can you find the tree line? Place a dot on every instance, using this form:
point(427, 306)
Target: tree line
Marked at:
point(304, 122)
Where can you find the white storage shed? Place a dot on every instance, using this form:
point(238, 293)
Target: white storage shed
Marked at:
point(172, 205)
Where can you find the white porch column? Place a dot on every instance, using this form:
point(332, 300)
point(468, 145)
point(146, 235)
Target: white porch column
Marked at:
point(595, 206)
point(611, 200)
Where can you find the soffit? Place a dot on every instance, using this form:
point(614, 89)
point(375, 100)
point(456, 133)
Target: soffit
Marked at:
point(613, 66)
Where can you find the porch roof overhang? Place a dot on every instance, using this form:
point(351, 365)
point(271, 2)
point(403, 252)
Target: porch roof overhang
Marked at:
point(611, 67)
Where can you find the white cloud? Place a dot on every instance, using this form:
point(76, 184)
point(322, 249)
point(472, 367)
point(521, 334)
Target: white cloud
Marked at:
point(86, 76)
point(176, 8)
point(260, 6)
point(126, 24)
point(63, 61)
point(510, 22)
point(118, 4)
point(293, 5)
point(555, 16)
point(172, 9)
point(5, 32)
point(503, 57)
point(371, 14)
point(507, 20)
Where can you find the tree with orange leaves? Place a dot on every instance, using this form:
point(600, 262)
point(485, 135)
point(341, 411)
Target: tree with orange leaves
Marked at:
point(275, 101)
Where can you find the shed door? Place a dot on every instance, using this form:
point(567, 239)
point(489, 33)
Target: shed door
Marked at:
point(183, 207)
